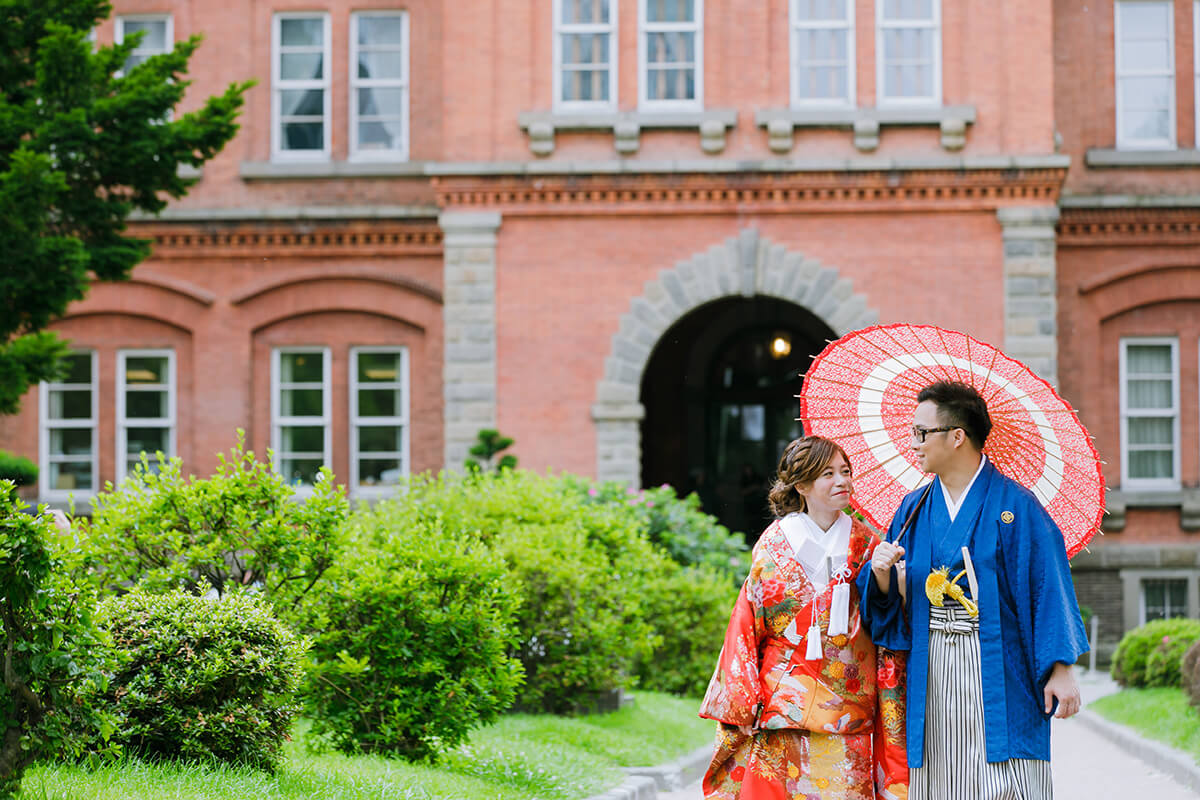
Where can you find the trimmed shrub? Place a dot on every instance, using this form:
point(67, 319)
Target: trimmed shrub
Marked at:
point(412, 642)
point(241, 527)
point(689, 609)
point(1160, 644)
point(1190, 669)
point(17, 469)
point(201, 678)
point(52, 649)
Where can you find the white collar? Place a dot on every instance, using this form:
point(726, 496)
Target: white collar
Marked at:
point(952, 506)
point(812, 546)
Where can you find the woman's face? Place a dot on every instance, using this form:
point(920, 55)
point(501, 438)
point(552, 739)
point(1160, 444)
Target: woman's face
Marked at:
point(831, 490)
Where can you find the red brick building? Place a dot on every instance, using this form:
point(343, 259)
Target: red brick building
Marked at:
point(618, 229)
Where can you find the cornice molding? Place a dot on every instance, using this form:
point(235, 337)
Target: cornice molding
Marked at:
point(1105, 227)
point(308, 239)
point(789, 192)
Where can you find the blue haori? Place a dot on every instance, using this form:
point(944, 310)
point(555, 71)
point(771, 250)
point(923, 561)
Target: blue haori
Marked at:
point(1028, 615)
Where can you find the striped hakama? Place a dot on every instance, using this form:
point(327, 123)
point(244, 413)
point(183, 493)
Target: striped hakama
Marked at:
point(955, 763)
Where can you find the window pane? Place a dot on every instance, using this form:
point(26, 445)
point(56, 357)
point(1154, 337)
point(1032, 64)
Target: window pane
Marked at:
point(148, 441)
point(378, 367)
point(588, 12)
point(381, 102)
point(70, 404)
point(1153, 430)
point(821, 9)
point(155, 38)
point(381, 135)
point(378, 439)
point(381, 64)
point(300, 471)
point(378, 402)
point(1164, 598)
point(70, 476)
point(301, 403)
point(1145, 55)
point(1151, 394)
point(584, 48)
point(79, 368)
point(1141, 19)
point(303, 136)
point(671, 84)
point(71, 442)
point(146, 405)
point(302, 102)
point(670, 10)
point(1151, 464)
point(302, 439)
point(670, 48)
point(301, 66)
point(1146, 94)
point(301, 367)
point(385, 29)
point(146, 369)
point(378, 471)
point(585, 84)
point(303, 32)
point(908, 9)
point(1155, 359)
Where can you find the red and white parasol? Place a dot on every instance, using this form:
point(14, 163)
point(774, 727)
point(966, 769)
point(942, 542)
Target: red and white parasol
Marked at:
point(861, 391)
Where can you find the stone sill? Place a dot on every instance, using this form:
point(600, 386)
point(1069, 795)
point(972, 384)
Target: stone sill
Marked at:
point(781, 123)
point(287, 170)
point(626, 126)
point(1186, 500)
point(1110, 157)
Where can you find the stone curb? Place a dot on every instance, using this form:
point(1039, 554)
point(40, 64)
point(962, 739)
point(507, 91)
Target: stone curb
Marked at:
point(1159, 756)
point(644, 783)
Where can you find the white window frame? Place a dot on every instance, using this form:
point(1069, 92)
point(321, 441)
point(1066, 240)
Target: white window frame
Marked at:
point(1144, 144)
point(612, 30)
point(168, 36)
point(1171, 576)
point(124, 423)
point(45, 425)
point(278, 86)
point(881, 27)
point(644, 29)
point(795, 26)
point(357, 422)
point(357, 83)
point(325, 420)
point(1151, 484)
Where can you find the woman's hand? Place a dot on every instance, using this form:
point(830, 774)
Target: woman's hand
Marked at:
point(885, 557)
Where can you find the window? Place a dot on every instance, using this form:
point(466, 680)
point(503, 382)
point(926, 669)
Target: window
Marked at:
point(145, 407)
point(585, 54)
point(822, 52)
point(378, 418)
point(1164, 598)
point(672, 54)
point(1149, 413)
point(158, 36)
point(1145, 78)
point(908, 49)
point(300, 80)
point(379, 85)
point(300, 412)
point(67, 439)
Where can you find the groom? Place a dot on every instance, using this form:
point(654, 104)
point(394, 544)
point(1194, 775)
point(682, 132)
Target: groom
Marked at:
point(982, 684)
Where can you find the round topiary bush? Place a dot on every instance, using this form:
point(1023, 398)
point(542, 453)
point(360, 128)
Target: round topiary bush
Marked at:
point(201, 678)
point(1190, 668)
point(1152, 654)
point(411, 642)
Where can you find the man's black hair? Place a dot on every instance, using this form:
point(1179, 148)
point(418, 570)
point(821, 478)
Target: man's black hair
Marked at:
point(961, 406)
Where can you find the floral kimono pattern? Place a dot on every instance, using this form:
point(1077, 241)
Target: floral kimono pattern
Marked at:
point(826, 728)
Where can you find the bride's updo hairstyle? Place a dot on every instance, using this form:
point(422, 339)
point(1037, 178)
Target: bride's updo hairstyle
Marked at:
point(803, 461)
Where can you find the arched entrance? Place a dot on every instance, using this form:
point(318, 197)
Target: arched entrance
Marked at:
point(719, 397)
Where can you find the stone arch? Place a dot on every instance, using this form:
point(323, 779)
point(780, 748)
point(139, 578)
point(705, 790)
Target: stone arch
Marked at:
point(747, 264)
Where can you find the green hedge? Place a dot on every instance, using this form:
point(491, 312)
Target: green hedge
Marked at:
point(17, 469)
point(1152, 654)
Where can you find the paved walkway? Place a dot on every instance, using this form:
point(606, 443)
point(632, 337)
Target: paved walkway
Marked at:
point(1087, 765)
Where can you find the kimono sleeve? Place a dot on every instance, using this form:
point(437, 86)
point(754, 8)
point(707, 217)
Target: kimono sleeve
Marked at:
point(733, 692)
point(883, 612)
point(1044, 593)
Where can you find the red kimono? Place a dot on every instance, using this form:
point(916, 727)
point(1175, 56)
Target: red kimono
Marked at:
point(832, 727)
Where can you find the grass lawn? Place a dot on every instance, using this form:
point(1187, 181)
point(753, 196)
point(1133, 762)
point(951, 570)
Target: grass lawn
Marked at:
point(522, 757)
point(1160, 714)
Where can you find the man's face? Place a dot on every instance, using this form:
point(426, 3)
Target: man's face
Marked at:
point(933, 455)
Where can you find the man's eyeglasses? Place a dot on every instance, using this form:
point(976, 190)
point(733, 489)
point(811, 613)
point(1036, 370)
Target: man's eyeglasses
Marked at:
point(920, 433)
